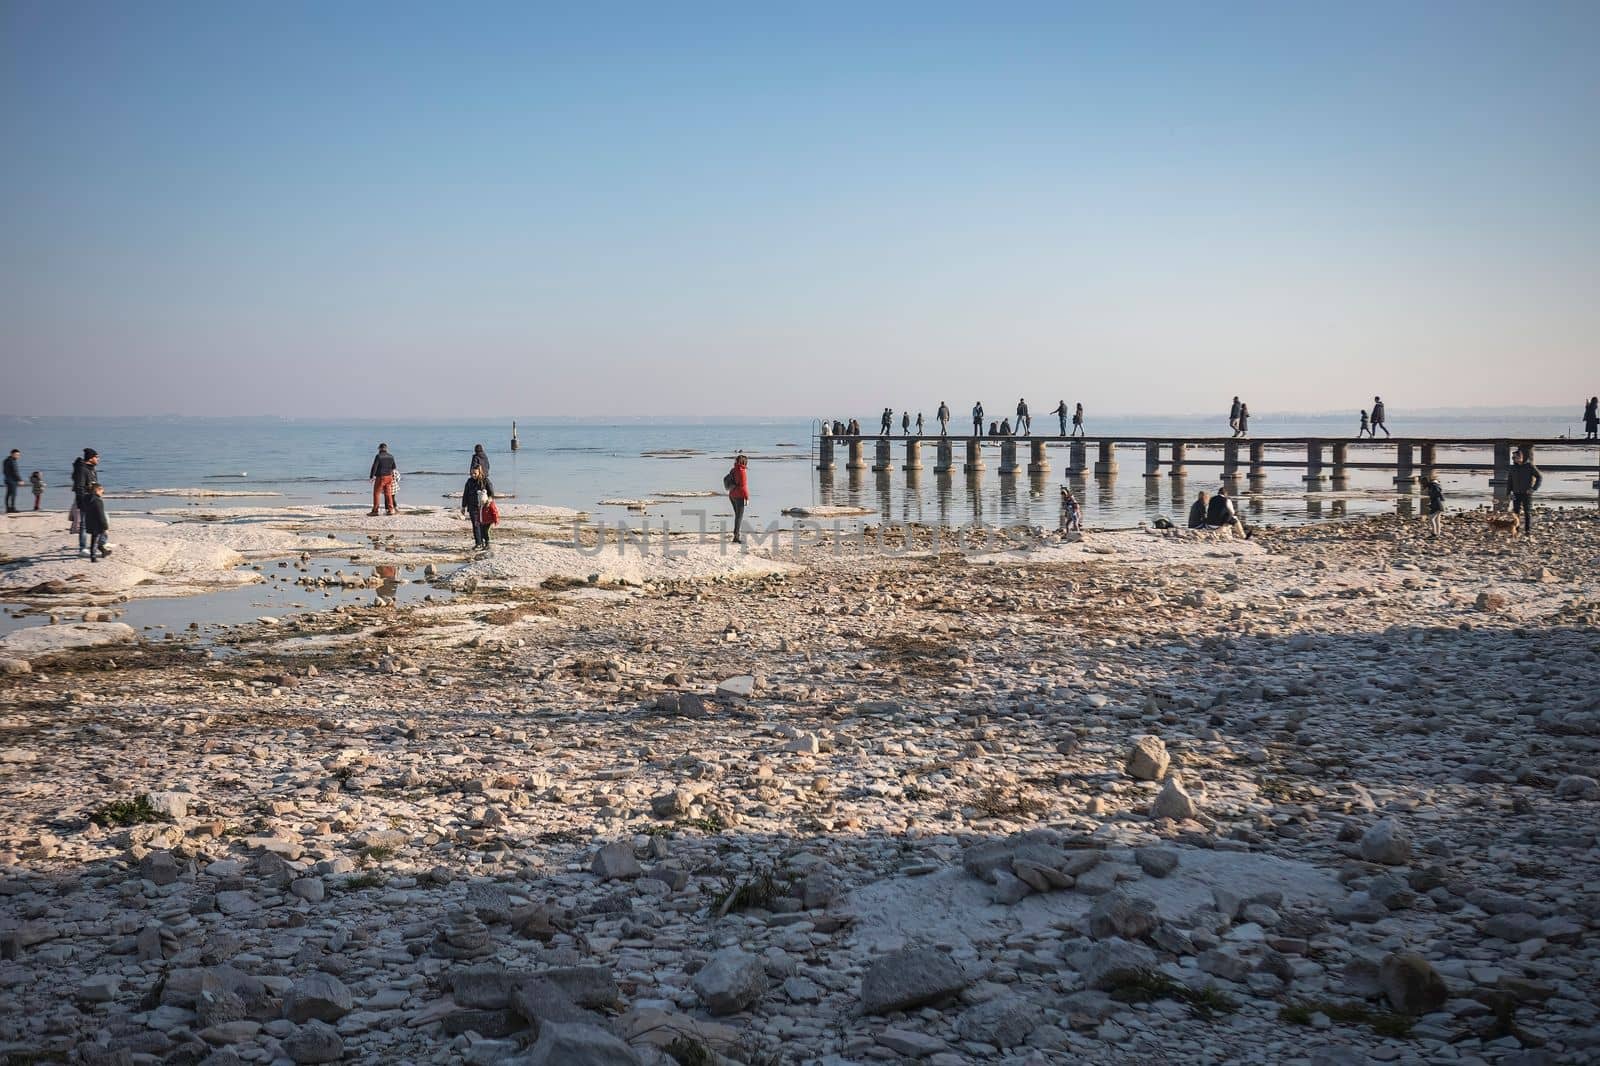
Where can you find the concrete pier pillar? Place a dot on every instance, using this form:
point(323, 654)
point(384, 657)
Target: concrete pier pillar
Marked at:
point(1313, 478)
point(1038, 462)
point(1502, 463)
point(1230, 460)
point(825, 453)
point(1008, 457)
point(1405, 474)
point(974, 461)
point(1152, 458)
point(1341, 457)
point(913, 453)
point(856, 460)
point(1429, 459)
point(943, 456)
point(1258, 460)
point(1106, 465)
point(884, 460)
point(1077, 459)
point(1180, 452)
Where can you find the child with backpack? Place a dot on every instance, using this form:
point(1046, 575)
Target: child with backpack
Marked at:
point(1435, 506)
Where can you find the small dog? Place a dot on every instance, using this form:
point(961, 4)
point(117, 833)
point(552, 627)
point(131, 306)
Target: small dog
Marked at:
point(1502, 522)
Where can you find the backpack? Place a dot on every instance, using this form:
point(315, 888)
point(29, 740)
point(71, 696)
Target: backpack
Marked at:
point(728, 481)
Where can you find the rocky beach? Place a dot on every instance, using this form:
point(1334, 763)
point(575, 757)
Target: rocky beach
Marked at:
point(1326, 796)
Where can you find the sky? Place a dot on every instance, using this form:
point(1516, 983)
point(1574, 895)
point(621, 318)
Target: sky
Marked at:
point(444, 210)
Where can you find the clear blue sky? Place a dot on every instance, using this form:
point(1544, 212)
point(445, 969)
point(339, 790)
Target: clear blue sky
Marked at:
point(443, 209)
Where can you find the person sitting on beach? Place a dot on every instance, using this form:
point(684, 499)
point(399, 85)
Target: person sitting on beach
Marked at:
point(1366, 427)
point(1071, 512)
point(95, 522)
point(1197, 512)
point(382, 477)
point(1222, 515)
point(36, 483)
point(476, 496)
point(479, 460)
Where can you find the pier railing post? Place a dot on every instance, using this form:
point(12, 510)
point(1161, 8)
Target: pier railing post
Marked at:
point(1038, 462)
point(1258, 460)
point(1077, 459)
point(1180, 452)
point(885, 457)
point(1313, 478)
point(974, 461)
point(1008, 457)
point(1405, 475)
point(1152, 458)
point(825, 452)
point(856, 460)
point(1230, 460)
point(914, 453)
point(1106, 465)
point(944, 456)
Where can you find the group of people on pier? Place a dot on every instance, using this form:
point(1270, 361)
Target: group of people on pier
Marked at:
point(1005, 427)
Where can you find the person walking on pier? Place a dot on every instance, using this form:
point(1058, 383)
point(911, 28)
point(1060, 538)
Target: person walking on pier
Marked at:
point(1378, 417)
point(1024, 420)
point(1197, 511)
point(886, 421)
point(1366, 427)
point(977, 419)
point(943, 416)
point(1591, 419)
point(13, 480)
point(1077, 421)
point(737, 482)
point(1241, 424)
point(1005, 427)
point(1061, 414)
point(1525, 480)
point(905, 423)
point(477, 503)
point(919, 423)
point(1435, 505)
point(1233, 416)
point(382, 477)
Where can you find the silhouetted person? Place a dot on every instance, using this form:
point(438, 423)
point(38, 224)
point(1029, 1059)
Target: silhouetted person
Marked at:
point(905, 423)
point(1233, 416)
point(479, 460)
point(1077, 420)
point(1221, 514)
point(1378, 417)
point(1005, 427)
point(1061, 414)
point(919, 423)
point(1024, 420)
point(944, 418)
point(1435, 504)
point(977, 419)
point(1242, 423)
point(1525, 480)
point(1366, 427)
point(1197, 512)
point(13, 480)
point(85, 476)
point(1591, 419)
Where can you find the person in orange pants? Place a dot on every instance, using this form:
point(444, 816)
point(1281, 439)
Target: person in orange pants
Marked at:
point(382, 477)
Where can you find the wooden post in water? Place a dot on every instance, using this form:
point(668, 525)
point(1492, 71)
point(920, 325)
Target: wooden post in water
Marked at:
point(1038, 462)
point(1152, 458)
point(856, 461)
point(1230, 460)
point(884, 461)
point(1180, 452)
point(1105, 467)
point(1008, 457)
point(974, 461)
point(1258, 461)
point(944, 456)
point(913, 453)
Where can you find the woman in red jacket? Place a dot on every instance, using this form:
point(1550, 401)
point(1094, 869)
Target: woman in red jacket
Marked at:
point(739, 492)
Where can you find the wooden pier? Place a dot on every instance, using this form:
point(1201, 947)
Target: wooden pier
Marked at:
point(1323, 459)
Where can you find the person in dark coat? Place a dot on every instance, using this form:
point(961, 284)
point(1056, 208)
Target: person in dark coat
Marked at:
point(1197, 512)
point(476, 494)
point(13, 479)
point(382, 477)
point(1380, 417)
point(1222, 515)
point(85, 476)
point(479, 460)
point(1435, 505)
point(1525, 480)
point(1591, 419)
point(96, 523)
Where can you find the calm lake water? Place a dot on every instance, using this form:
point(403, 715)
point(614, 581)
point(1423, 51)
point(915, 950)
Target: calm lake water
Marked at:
point(579, 464)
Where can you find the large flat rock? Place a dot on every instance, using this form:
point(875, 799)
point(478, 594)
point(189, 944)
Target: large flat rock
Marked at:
point(36, 642)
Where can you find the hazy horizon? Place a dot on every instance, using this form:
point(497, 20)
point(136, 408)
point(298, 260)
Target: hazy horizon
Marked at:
point(426, 212)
